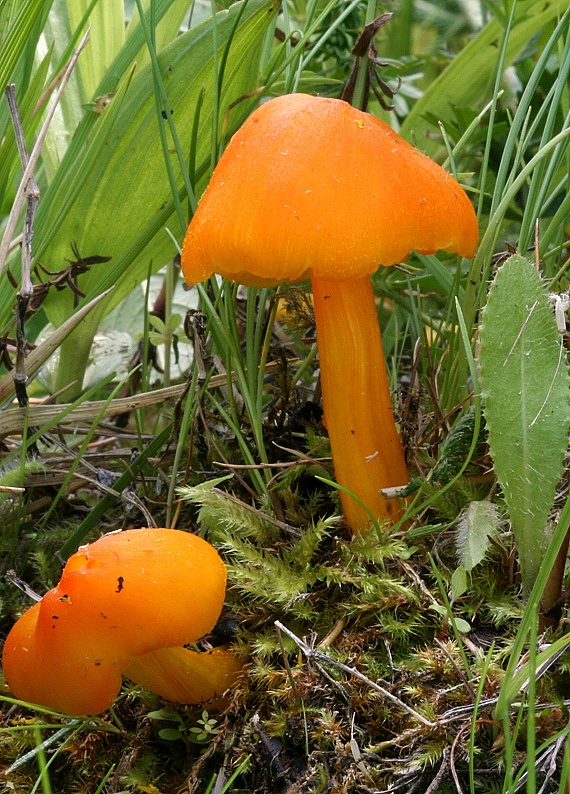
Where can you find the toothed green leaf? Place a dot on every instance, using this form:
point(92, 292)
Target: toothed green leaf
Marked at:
point(525, 385)
point(476, 524)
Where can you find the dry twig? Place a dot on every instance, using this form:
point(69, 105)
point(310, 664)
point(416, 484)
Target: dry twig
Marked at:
point(318, 656)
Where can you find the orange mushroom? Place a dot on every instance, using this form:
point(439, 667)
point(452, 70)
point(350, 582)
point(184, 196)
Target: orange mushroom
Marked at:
point(314, 187)
point(119, 601)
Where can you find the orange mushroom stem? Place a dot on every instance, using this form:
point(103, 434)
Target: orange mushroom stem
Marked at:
point(365, 444)
point(313, 187)
point(120, 600)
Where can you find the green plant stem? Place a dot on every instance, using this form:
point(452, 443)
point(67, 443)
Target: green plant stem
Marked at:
point(42, 763)
point(360, 99)
point(531, 714)
point(170, 282)
point(190, 408)
point(472, 733)
point(509, 685)
point(553, 589)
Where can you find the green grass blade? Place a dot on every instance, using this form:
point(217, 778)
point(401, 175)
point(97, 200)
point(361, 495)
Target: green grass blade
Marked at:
point(468, 77)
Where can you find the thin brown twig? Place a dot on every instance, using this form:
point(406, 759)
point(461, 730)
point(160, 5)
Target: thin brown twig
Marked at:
point(318, 656)
point(452, 756)
point(12, 420)
point(18, 203)
point(285, 465)
point(130, 498)
point(433, 787)
point(457, 669)
point(32, 195)
point(14, 579)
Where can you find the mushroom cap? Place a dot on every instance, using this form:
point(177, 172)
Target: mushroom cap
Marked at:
point(310, 185)
point(138, 590)
point(185, 676)
point(71, 679)
point(122, 596)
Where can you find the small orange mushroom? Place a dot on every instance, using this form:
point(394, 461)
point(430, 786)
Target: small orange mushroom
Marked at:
point(120, 600)
point(314, 187)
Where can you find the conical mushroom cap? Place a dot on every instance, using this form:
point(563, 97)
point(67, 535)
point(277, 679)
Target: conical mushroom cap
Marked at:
point(314, 186)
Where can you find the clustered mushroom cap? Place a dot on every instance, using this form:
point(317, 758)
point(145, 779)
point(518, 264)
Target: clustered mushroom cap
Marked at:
point(313, 186)
point(185, 676)
point(119, 598)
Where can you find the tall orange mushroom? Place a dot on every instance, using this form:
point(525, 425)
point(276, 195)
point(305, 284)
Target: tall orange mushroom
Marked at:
point(314, 187)
point(120, 601)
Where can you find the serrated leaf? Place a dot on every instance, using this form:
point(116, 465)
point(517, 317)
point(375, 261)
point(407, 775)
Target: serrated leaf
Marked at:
point(477, 522)
point(526, 387)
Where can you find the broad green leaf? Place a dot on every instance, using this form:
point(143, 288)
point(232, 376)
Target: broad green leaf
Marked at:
point(525, 386)
point(467, 80)
point(106, 37)
point(120, 189)
point(57, 35)
point(170, 734)
point(477, 522)
point(105, 91)
point(117, 199)
point(166, 30)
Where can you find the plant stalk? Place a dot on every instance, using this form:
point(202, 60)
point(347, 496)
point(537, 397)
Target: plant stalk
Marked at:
point(367, 451)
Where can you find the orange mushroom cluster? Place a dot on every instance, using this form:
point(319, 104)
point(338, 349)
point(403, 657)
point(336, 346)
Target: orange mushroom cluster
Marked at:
point(125, 605)
point(312, 187)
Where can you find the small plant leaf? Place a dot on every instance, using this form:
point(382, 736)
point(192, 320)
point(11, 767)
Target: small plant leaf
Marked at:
point(170, 734)
point(478, 521)
point(167, 713)
point(462, 625)
point(525, 385)
point(458, 583)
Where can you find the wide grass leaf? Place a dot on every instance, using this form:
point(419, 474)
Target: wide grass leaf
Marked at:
point(119, 189)
point(15, 38)
point(525, 386)
point(117, 200)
